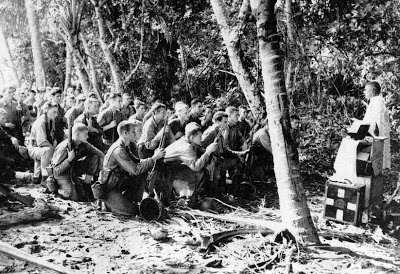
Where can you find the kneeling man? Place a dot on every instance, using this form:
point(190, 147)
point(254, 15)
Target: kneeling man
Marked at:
point(190, 160)
point(124, 173)
point(84, 159)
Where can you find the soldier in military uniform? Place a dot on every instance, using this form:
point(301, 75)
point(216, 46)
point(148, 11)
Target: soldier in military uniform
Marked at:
point(83, 158)
point(17, 114)
point(43, 141)
point(152, 132)
point(127, 108)
point(124, 173)
point(109, 119)
point(9, 154)
point(60, 121)
point(189, 159)
point(88, 118)
point(225, 158)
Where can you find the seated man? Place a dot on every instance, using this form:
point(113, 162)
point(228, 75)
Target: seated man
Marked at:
point(226, 158)
point(43, 141)
point(140, 111)
point(178, 124)
point(17, 114)
point(124, 173)
point(109, 119)
point(263, 163)
point(9, 154)
point(152, 132)
point(187, 175)
point(60, 121)
point(196, 109)
point(76, 110)
point(69, 156)
point(88, 118)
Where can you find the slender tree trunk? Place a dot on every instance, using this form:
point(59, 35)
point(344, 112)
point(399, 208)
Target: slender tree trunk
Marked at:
point(292, 199)
point(103, 39)
point(291, 45)
point(93, 74)
point(81, 71)
point(33, 22)
point(68, 68)
point(8, 56)
point(231, 38)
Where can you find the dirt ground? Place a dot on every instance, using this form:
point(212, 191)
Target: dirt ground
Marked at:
point(86, 240)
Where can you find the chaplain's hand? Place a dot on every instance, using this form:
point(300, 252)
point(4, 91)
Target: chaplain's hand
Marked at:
point(211, 148)
point(158, 154)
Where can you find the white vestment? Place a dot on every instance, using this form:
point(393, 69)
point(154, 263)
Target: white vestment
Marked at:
point(377, 114)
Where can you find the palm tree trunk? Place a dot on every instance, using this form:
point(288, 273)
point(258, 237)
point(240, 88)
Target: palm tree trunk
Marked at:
point(8, 56)
point(93, 74)
point(81, 71)
point(103, 32)
point(292, 199)
point(230, 36)
point(68, 68)
point(33, 22)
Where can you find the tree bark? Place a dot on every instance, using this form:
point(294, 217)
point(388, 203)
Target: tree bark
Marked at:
point(292, 199)
point(68, 68)
point(103, 39)
point(290, 44)
point(231, 38)
point(81, 71)
point(92, 69)
point(8, 56)
point(33, 22)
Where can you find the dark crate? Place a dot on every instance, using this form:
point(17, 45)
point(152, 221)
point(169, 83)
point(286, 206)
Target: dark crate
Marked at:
point(344, 202)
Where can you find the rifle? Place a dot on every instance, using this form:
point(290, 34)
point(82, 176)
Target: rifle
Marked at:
point(248, 162)
point(153, 174)
point(211, 166)
point(26, 200)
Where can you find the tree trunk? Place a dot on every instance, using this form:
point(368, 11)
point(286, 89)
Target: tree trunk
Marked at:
point(8, 56)
point(68, 68)
point(292, 199)
point(291, 45)
point(93, 74)
point(103, 38)
point(231, 38)
point(33, 22)
point(81, 71)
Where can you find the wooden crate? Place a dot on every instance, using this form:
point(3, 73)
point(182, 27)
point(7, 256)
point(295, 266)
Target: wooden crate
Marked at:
point(344, 202)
